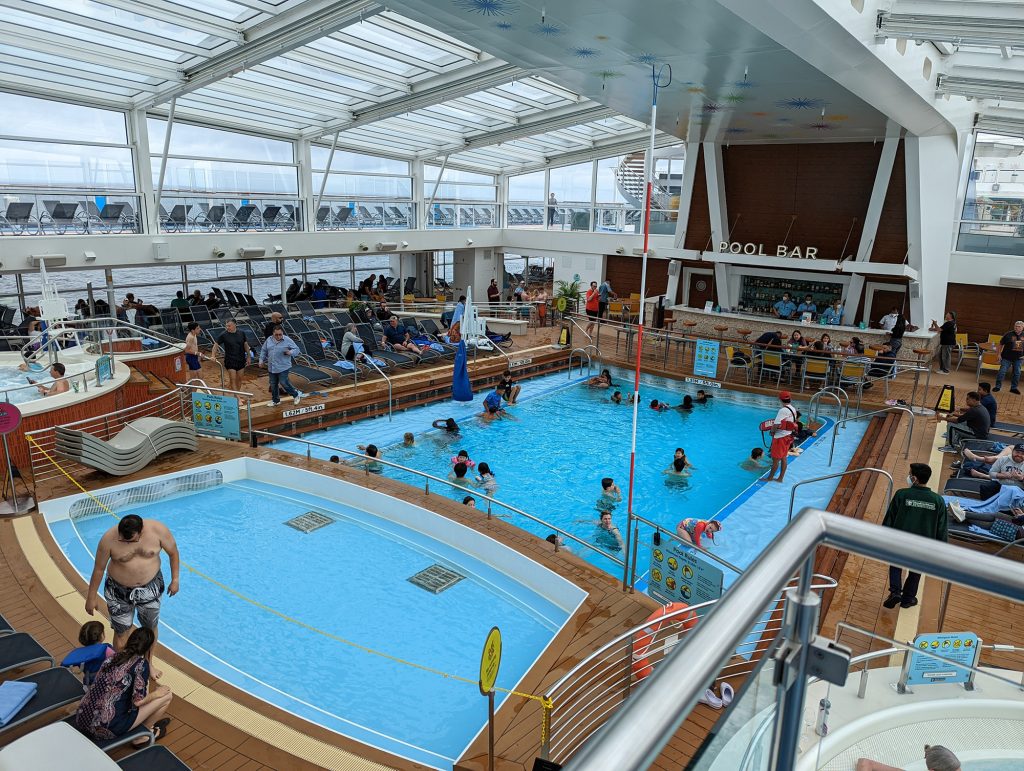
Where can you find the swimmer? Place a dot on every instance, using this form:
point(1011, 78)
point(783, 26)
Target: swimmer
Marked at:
point(687, 404)
point(609, 490)
point(680, 453)
point(660, 406)
point(756, 462)
point(463, 458)
point(365, 447)
point(556, 540)
point(690, 530)
point(447, 424)
point(485, 479)
point(368, 462)
point(604, 380)
point(678, 468)
point(616, 398)
point(703, 397)
point(408, 440)
point(470, 501)
point(335, 459)
point(458, 474)
point(608, 532)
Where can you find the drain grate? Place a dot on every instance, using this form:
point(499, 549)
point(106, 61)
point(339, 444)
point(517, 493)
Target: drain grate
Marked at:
point(436, 578)
point(310, 521)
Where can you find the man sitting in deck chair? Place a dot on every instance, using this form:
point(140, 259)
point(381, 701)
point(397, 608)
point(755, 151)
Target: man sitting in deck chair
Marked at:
point(972, 423)
point(399, 338)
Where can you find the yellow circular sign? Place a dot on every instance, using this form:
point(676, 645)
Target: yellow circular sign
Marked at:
point(560, 304)
point(490, 660)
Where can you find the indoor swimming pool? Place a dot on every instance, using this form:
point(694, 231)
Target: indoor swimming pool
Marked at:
point(563, 437)
point(327, 624)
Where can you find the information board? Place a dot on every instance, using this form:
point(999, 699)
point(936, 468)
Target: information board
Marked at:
point(679, 575)
point(961, 647)
point(104, 369)
point(705, 361)
point(216, 415)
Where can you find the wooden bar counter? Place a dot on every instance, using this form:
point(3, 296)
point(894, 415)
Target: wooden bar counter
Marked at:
point(694, 321)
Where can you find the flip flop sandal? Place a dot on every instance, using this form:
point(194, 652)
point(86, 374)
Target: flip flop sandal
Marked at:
point(160, 729)
point(727, 694)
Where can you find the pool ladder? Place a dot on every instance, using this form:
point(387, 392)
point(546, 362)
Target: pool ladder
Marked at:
point(582, 352)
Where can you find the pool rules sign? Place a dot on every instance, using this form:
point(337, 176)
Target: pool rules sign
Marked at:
point(490, 662)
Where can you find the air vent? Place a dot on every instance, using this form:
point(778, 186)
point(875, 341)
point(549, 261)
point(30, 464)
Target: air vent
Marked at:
point(310, 521)
point(436, 579)
point(1015, 281)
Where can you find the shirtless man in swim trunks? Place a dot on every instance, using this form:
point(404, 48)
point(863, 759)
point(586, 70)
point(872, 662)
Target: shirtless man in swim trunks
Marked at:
point(129, 552)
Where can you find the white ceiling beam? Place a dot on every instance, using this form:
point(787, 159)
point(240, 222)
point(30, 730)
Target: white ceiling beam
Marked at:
point(318, 58)
point(623, 145)
point(427, 35)
point(982, 9)
point(285, 32)
point(539, 123)
point(31, 86)
point(430, 91)
point(200, 21)
point(985, 65)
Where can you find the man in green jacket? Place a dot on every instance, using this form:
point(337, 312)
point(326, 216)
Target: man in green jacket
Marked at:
point(918, 510)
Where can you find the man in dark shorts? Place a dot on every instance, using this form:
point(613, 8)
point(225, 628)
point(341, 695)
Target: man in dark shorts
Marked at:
point(1010, 357)
point(129, 552)
point(236, 353)
point(195, 367)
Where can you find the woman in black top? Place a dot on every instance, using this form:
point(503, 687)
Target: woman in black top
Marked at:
point(896, 334)
point(947, 339)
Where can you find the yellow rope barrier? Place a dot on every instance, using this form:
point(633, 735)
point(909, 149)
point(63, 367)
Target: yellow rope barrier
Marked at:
point(290, 619)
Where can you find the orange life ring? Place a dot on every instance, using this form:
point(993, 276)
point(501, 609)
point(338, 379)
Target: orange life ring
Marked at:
point(641, 666)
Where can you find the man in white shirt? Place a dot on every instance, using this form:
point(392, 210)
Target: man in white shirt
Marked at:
point(782, 437)
point(889, 321)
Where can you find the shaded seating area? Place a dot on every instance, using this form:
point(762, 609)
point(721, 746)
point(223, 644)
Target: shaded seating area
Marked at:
point(132, 449)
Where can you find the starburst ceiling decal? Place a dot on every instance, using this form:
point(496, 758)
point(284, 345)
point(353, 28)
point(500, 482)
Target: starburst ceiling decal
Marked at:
point(711, 107)
point(802, 103)
point(548, 29)
point(582, 52)
point(735, 98)
point(505, 25)
point(488, 7)
point(737, 130)
point(645, 59)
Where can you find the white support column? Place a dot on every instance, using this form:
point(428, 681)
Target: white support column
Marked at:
point(851, 300)
point(138, 136)
point(717, 211)
point(877, 201)
point(416, 168)
point(307, 196)
point(502, 196)
point(967, 142)
point(932, 170)
point(686, 192)
point(722, 285)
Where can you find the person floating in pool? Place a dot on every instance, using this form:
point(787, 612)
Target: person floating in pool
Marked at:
point(485, 479)
point(492, 404)
point(686, 405)
point(660, 406)
point(680, 465)
point(616, 398)
point(756, 462)
point(408, 439)
point(458, 475)
point(447, 424)
point(463, 457)
point(691, 530)
point(703, 397)
point(611, 495)
point(604, 380)
point(607, 535)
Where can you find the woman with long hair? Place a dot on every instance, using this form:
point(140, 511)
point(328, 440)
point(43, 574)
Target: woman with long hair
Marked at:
point(119, 699)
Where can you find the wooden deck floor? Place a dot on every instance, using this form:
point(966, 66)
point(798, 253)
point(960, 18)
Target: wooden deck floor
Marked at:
point(205, 742)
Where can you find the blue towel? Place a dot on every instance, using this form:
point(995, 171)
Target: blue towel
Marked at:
point(14, 696)
point(979, 530)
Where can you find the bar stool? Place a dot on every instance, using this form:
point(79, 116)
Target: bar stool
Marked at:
point(721, 329)
point(745, 334)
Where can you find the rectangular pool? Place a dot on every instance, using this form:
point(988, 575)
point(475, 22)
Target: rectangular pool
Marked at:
point(327, 624)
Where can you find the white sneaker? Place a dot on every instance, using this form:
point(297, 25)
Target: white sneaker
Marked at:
point(958, 511)
point(298, 397)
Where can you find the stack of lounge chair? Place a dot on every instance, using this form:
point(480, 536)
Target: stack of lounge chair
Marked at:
point(131, 450)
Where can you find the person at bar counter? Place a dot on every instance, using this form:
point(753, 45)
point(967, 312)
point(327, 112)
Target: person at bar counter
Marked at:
point(833, 314)
point(785, 308)
point(807, 306)
point(771, 339)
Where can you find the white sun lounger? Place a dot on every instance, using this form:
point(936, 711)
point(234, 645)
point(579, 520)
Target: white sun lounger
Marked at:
point(132, 449)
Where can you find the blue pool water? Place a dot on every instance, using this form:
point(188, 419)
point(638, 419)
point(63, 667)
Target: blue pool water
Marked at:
point(563, 437)
point(348, 579)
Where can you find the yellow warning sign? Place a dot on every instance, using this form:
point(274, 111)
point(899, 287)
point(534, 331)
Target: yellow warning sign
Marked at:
point(947, 399)
point(490, 661)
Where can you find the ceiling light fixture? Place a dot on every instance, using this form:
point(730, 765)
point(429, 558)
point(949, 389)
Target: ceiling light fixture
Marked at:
point(979, 88)
point(971, 30)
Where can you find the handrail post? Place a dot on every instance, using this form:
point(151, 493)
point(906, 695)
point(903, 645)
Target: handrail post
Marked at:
point(632, 572)
point(886, 474)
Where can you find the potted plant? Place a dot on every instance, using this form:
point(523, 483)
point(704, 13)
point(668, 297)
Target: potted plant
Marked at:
point(569, 291)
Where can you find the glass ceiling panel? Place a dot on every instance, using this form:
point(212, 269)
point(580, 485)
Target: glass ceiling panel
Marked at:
point(222, 9)
point(54, 61)
point(133, 21)
point(331, 76)
point(391, 41)
point(526, 91)
point(347, 51)
point(78, 34)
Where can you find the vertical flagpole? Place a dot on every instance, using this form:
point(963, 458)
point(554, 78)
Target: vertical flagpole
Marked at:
point(656, 78)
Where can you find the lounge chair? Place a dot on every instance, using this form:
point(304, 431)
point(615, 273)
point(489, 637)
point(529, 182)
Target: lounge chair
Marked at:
point(60, 746)
point(313, 350)
point(20, 649)
point(131, 450)
point(139, 732)
point(5, 626)
point(964, 486)
point(371, 348)
point(155, 758)
point(55, 688)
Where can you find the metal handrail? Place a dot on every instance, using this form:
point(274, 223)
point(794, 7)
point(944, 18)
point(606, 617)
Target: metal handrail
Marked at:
point(369, 360)
point(200, 383)
point(582, 353)
point(888, 495)
point(634, 736)
point(431, 478)
point(814, 405)
point(572, 320)
point(891, 408)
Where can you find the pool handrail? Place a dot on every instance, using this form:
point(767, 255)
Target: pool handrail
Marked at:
point(888, 408)
point(582, 353)
point(246, 395)
point(636, 734)
point(430, 477)
point(705, 552)
point(369, 360)
point(814, 405)
point(886, 474)
point(591, 344)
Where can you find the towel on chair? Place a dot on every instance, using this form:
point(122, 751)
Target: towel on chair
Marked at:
point(14, 696)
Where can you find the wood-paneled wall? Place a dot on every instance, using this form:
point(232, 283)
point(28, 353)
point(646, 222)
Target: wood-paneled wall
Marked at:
point(984, 310)
point(623, 270)
point(164, 366)
point(826, 186)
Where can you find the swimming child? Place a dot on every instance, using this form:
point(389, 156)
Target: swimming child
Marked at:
point(447, 424)
point(470, 501)
point(371, 465)
point(616, 398)
point(703, 397)
point(463, 457)
point(486, 480)
point(687, 404)
point(690, 530)
point(756, 462)
point(659, 406)
point(604, 380)
point(677, 469)
point(458, 474)
point(408, 439)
